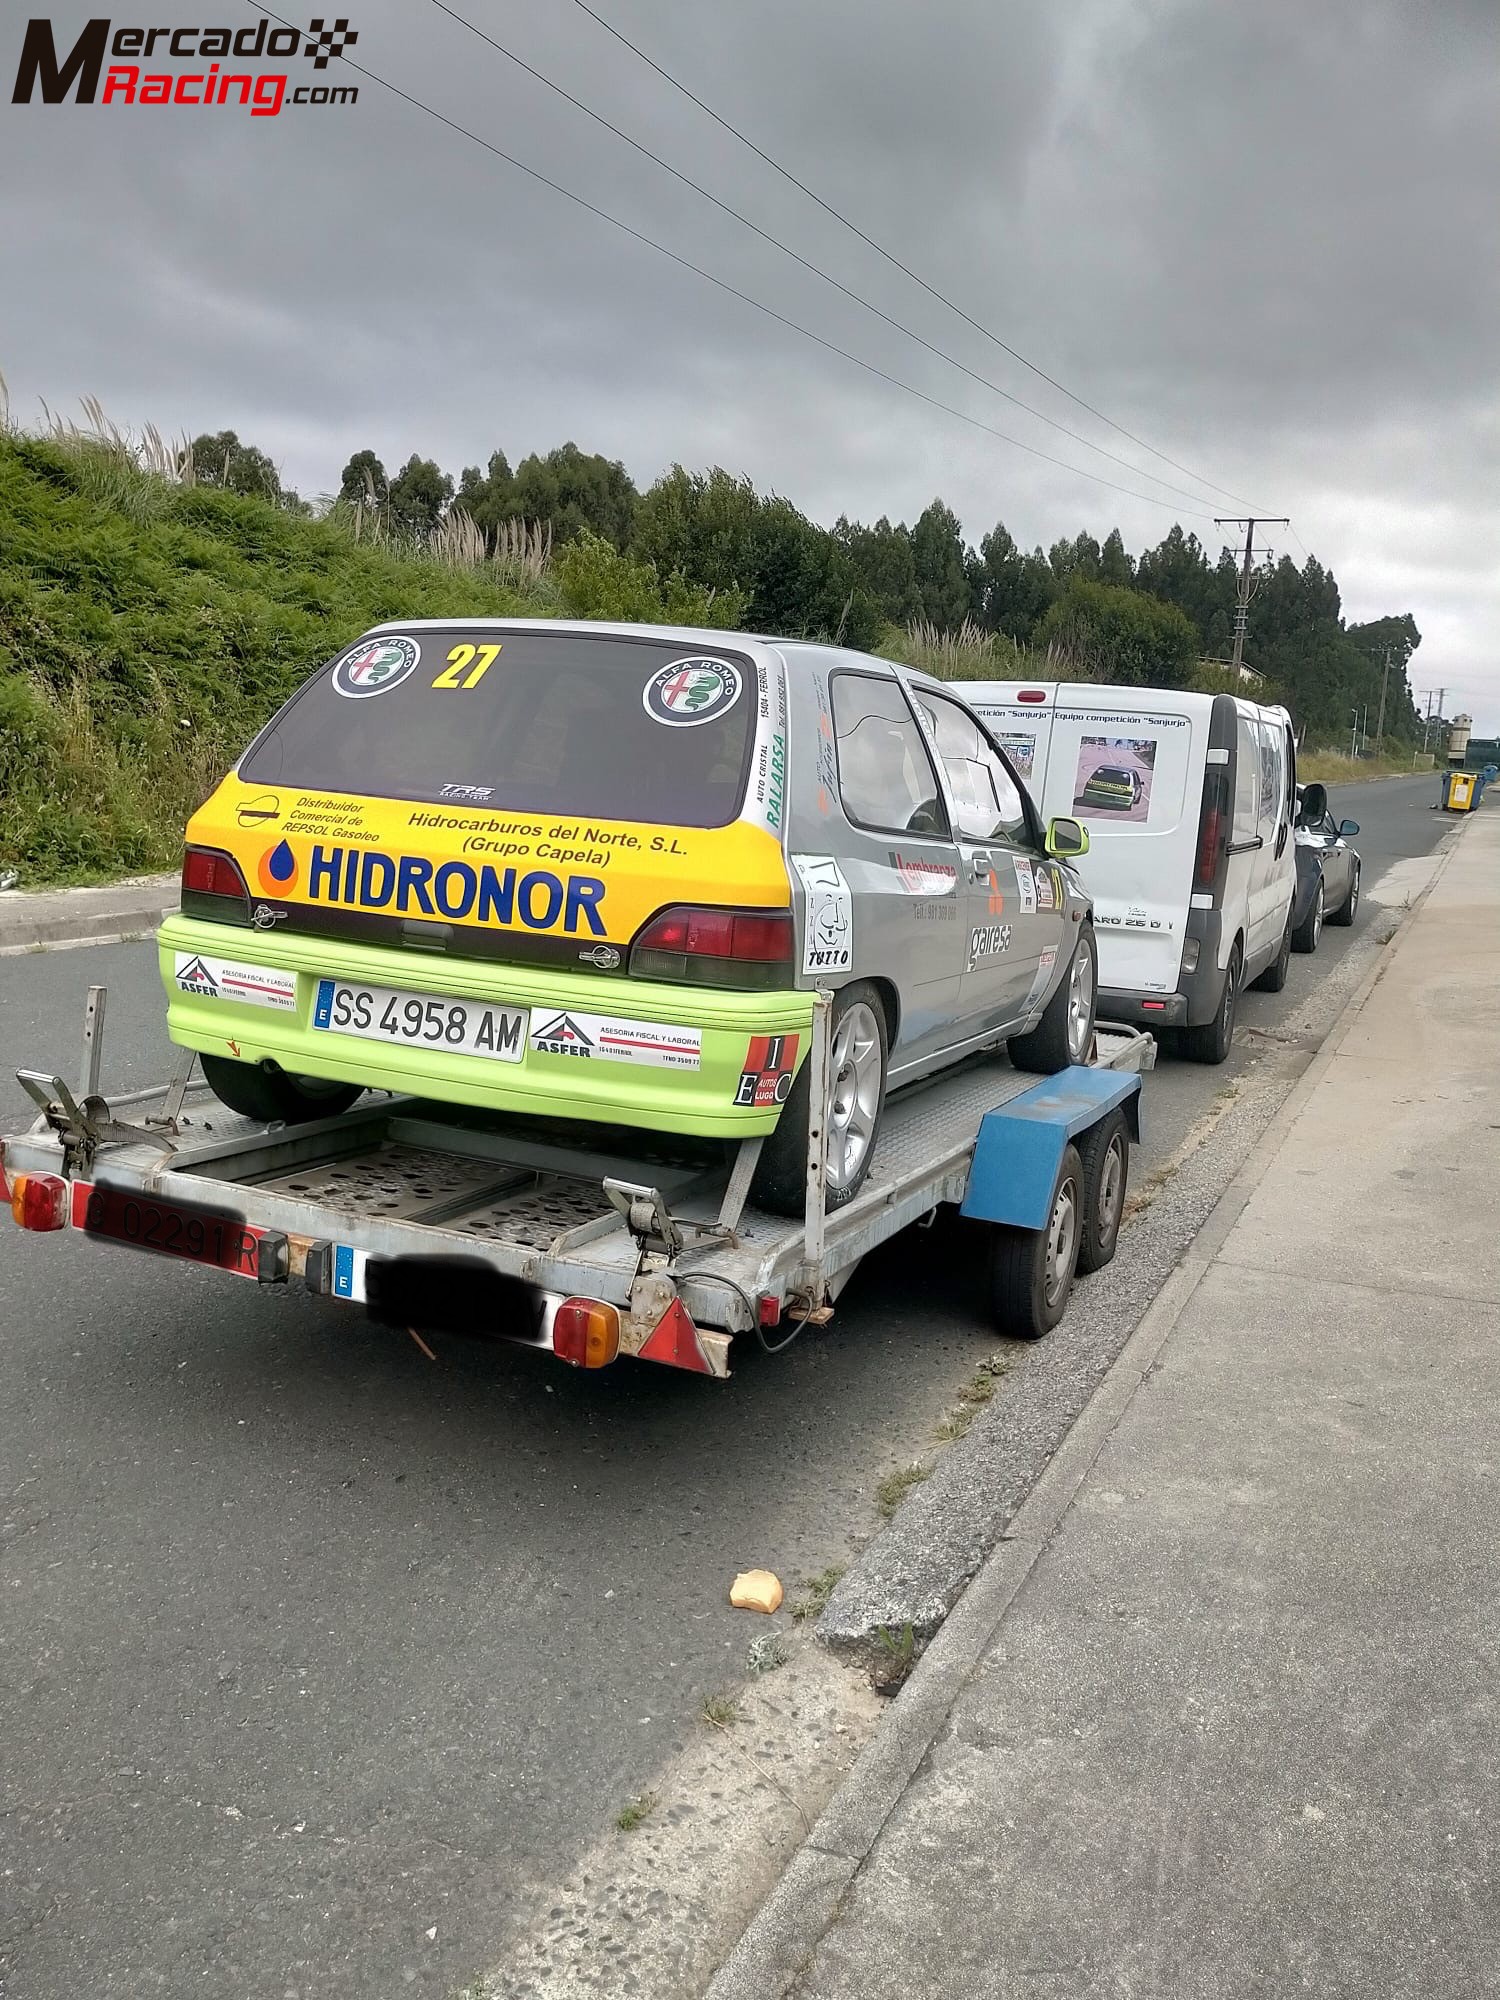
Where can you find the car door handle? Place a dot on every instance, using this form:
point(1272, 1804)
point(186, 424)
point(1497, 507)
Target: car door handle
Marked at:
point(981, 865)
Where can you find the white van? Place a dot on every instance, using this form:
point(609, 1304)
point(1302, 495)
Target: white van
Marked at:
point(1189, 800)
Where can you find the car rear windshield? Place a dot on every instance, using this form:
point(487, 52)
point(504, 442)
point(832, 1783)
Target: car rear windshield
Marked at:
point(554, 722)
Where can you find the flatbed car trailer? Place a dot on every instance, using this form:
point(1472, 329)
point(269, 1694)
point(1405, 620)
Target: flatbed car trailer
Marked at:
point(588, 1241)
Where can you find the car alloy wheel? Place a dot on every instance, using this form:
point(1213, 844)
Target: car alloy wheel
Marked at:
point(854, 1095)
point(1080, 1005)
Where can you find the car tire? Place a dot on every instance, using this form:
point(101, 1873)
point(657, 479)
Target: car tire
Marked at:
point(1274, 977)
point(780, 1180)
point(1345, 913)
point(1032, 1270)
point(270, 1095)
point(1210, 1043)
point(1305, 937)
point(1105, 1153)
point(1065, 1034)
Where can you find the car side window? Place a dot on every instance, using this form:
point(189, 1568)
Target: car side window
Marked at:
point(887, 781)
point(987, 802)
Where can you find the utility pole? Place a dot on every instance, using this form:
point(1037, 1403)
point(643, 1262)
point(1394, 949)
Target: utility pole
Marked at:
point(1385, 676)
point(1249, 522)
point(1440, 695)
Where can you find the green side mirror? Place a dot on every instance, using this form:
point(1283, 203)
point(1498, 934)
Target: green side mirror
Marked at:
point(1067, 839)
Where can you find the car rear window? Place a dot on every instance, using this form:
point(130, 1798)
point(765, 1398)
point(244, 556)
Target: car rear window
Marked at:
point(554, 722)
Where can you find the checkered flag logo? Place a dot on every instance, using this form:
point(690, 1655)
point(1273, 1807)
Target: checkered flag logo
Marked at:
point(322, 42)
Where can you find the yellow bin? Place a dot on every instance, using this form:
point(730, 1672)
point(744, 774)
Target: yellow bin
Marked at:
point(1458, 792)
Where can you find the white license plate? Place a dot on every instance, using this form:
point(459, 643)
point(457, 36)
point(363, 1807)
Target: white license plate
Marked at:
point(421, 1020)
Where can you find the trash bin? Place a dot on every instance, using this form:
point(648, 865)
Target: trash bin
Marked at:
point(1458, 791)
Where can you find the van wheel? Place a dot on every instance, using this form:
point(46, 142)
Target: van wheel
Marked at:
point(857, 1065)
point(1065, 1033)
point(1305, 937)
point(1031, 1270)
point(270, 1094)
point(1210, 1043)
point(1274, 977)
point(1105, 1153)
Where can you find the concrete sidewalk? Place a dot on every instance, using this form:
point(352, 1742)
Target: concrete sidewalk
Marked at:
point(1222, 1716)
point(39, 919)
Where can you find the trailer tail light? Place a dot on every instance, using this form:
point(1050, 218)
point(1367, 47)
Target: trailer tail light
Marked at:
point(213, 887)
point(39, 1201)
point(586, 1332)
point(746, 948)
point(1213, 829)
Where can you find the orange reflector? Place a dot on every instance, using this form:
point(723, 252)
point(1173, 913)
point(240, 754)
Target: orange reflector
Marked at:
point(39, 1201)
point(586, 1332)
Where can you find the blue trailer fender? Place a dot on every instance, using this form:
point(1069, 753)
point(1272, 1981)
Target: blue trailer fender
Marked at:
point(1020, 1144)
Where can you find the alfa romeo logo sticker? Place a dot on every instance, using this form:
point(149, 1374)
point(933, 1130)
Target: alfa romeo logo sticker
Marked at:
point(691, 691)
point(375, 667)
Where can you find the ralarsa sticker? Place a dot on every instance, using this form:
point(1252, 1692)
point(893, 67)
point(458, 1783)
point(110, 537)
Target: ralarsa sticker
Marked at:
point(375, 666)
point(691, 691)
point(987, 941)
point(767, 1075)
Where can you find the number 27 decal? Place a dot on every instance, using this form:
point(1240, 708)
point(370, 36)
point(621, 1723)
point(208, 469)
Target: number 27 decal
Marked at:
point(466, 657)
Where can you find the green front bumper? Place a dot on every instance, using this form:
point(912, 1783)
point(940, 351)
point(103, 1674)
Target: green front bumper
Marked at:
point(699, 1102)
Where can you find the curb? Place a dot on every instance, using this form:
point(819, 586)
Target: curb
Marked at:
point(54, 919)
point(782, 1936)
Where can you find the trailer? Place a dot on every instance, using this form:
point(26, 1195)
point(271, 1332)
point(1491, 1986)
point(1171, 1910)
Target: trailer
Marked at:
point(590, 1242)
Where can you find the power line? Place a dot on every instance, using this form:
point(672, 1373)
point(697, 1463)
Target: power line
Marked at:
point(686, 264)
point(766, 236)
point(906, 270)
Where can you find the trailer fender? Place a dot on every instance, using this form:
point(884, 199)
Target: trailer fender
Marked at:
point(1020, 1145)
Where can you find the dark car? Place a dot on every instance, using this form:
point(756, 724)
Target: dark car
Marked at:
point(1327, 869)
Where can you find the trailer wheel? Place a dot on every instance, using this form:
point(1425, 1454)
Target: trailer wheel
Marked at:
point(1031, 1270)
point(269, 1094)
point(1105, 1153)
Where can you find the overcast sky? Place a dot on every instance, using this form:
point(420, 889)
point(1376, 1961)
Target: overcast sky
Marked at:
point(1266, 240)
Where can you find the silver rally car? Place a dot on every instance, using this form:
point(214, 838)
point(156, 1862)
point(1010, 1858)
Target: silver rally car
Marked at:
point(929, 895)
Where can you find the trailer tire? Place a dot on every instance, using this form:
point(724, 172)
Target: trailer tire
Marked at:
point(1105, 1153)
point(1065, 1034)
point(270, 1094)
point(780, 1182)
point(1031, 1270)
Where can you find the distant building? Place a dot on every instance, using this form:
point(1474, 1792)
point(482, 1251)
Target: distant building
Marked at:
point(1248, 676)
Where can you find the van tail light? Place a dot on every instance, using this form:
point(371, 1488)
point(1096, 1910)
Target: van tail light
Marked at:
point(213, 887)
point(1031, 694)
point(1213, 829)
point(752, 948)
point(586, 1332)
point(39, 1201)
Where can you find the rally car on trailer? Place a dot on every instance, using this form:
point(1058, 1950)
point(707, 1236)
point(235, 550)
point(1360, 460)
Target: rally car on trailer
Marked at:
point(620, 1009)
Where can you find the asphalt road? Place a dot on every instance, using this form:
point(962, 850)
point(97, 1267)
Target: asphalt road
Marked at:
point(314, 1648)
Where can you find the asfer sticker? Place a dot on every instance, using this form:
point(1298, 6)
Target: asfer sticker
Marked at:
point(606, 1038)
point(692, 691)
point(223, 979)
point(767, 1075)
point(1025, 886)
point(828, 934)
point(374, 667)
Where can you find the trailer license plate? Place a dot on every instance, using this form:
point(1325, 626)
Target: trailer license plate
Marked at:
point(196, 1235)
point(421, 1020)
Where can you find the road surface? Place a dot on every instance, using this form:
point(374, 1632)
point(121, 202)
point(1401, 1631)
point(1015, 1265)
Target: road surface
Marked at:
point(312, 1646)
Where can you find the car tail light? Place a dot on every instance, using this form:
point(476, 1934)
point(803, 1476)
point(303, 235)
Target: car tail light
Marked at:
point(39, 1201)
point(716, 947)
point(212, 886)
point(586, 1332)
point(1213, 828)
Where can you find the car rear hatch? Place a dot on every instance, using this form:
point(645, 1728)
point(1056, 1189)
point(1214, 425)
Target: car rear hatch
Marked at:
point(535, 795)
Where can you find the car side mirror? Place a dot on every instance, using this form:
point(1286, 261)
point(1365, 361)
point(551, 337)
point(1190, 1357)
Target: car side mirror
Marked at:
point(1067, 839)
point(1314, 803)
point(1348, 828)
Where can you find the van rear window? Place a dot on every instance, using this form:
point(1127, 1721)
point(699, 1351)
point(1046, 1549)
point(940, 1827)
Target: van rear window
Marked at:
point(533, 721)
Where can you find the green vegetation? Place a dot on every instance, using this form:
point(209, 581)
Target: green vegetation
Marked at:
point(149, 627)
point(629, 1817)
point(894, 1488)
point(972, 1398)
point(816, 1593)
point(1336, 767)
point(722, 1711)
